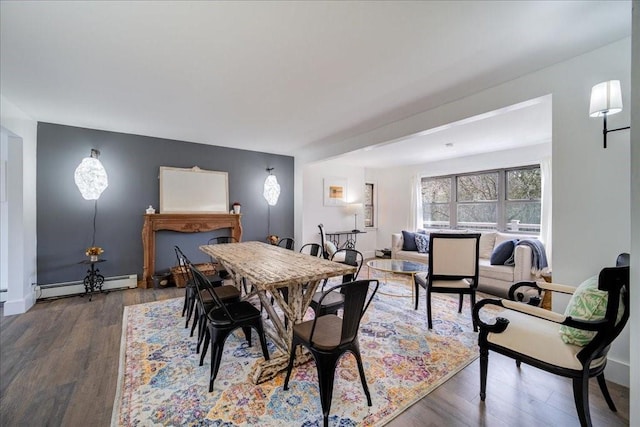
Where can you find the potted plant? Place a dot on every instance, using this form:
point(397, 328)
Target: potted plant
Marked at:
point(93, 253)
point(236, 207)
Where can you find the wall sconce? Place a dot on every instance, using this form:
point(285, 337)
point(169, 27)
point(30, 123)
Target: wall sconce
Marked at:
point(271, 193)
point(271, 190)
point(606, 99)
point(91, 177)
point(354, 209)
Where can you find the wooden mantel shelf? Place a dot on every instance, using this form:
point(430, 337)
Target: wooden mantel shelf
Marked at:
point(183, 223)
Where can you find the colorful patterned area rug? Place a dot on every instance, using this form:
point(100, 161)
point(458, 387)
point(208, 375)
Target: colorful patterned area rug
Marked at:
point(160, 382)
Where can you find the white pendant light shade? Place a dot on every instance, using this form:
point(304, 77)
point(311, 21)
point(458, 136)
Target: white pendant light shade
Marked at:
point(271, 190)
point(91, 177)
point(606, 98)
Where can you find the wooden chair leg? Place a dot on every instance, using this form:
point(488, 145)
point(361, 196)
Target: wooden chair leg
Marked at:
point(429, 324)
point(581, 399)
point(416, 289)
point(484, 365)
point(460, 302)
point(473, 303)
point(605, 392)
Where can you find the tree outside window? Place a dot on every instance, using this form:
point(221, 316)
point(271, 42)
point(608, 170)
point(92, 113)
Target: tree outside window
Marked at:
point(505, 199)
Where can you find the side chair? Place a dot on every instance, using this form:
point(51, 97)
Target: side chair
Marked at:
point(189, 294)
point(312, 249)
point(287, 243)
point(328, 337)
point(222, 319)
point(453, 269)
point(573, 345)
point(334, 301)
point(226, 293)
point(323, 241)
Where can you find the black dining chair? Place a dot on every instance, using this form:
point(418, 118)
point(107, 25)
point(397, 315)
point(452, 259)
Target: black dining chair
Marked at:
point(287, 243)
point(328, 337)
point(312, 249)
point(222, 319)
point(333, 302)
point(226, 293)
point(189, 294)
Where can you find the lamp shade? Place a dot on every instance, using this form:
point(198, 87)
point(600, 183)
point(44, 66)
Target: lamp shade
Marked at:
point(606, 98)
point(354, 208)
point(91, 178)
point(271, 190)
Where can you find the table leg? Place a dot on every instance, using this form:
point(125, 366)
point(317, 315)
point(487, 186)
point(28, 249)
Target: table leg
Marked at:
point(293, 309)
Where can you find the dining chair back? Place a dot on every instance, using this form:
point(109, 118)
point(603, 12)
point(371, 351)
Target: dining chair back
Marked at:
point(312, 249)
point(323, 242)
point(287, 243)
point(453, 268)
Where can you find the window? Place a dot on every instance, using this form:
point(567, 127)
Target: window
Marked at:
point(505, 199)
point(369, 205)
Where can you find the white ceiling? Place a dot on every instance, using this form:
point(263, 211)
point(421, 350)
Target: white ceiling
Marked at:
point(279, 76)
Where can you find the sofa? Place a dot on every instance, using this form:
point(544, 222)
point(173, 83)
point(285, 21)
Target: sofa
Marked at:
point(493, 279)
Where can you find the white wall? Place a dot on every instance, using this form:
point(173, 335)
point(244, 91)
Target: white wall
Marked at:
point(333, 218)
point(591, 186)
point(20, 265)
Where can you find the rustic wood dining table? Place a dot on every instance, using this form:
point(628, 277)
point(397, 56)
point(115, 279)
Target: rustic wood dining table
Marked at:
point(270, 269)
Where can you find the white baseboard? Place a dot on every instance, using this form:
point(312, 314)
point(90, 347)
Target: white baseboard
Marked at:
point(54, 290)
point(617, 372)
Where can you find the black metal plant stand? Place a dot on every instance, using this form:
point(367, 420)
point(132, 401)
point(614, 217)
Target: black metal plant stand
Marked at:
point(93, 281)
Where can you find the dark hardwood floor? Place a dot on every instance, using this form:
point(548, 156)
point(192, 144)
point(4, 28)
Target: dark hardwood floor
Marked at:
point(59, 365)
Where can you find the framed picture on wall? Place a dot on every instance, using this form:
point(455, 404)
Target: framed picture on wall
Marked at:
point(335, 191)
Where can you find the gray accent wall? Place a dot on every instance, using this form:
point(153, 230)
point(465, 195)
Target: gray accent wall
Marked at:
point(65, 219)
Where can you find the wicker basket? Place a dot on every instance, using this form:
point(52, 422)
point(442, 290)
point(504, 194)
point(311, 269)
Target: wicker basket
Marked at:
point(207, 268)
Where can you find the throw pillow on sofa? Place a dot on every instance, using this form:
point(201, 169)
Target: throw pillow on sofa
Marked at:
point(502, 252)
point(409, 241)
point(422, 243)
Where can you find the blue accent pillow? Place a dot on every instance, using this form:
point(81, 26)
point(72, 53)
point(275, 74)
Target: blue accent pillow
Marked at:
point(408, 241)
point(502, 252)
point(422, 243)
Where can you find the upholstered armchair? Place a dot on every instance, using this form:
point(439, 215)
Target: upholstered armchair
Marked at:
point(573, 344)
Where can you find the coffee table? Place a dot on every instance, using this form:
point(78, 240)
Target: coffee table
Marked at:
point(399, 266)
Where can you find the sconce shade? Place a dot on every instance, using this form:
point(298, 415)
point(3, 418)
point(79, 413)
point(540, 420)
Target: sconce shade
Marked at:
point(606, 98)
point(91, 177)
point(271, 190)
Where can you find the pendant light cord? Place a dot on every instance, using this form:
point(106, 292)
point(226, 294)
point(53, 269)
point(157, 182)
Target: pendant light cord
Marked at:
point(95, 214)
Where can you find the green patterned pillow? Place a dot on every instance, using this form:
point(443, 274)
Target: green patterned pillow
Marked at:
point(587, 303)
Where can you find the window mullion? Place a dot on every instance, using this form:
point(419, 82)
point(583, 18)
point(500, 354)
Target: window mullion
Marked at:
point(453, 203)
point(502, 196)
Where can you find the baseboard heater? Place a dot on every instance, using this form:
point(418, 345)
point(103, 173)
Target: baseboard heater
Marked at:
point(56, 290)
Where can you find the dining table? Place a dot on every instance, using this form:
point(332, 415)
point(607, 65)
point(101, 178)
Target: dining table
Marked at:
point(268, 271)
